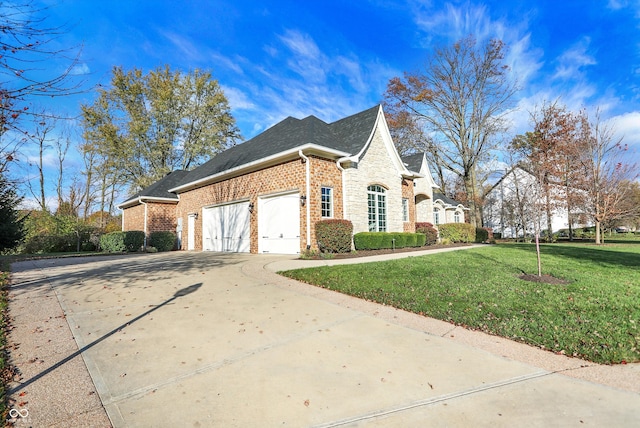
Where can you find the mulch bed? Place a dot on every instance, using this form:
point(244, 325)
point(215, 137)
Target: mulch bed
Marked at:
point(367, 253)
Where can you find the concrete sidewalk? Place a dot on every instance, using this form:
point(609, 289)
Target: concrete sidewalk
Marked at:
point(204, 339)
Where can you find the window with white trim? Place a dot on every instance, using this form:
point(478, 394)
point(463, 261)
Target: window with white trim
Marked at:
point(377, 206)
point(436, 216)
point(405, 210)
point(326, 202)
point(456, 217)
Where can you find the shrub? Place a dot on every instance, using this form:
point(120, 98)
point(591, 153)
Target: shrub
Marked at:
point(163, 241)
point(482, 235)
point(430, 232)
point(458, 232)
point(118, 242)
point(113, 242)
point(385, 240)
point(368, 240)
point(133, 240)
point(421, 239)
point(334, 236)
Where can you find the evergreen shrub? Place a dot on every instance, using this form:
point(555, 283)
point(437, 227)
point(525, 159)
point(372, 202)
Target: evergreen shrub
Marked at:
point(163, 241)
point(334, 236)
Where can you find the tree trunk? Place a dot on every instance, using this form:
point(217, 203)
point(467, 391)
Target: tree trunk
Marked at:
point(471, 190)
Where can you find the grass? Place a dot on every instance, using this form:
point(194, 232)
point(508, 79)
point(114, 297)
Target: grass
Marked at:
point(595, 317)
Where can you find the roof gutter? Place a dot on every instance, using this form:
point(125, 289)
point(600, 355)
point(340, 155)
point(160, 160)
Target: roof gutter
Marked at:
point(242, 169)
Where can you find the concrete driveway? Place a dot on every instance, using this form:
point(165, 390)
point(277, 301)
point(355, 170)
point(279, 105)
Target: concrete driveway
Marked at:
point(208, 340)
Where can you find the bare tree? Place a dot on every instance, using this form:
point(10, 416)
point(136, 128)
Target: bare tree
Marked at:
point(606, 172)
point(27, 53)
point(461, 96)
point(42, 139)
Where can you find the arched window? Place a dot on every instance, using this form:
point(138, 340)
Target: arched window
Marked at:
point(436, 216)
point(456, 217)
point(377, 205)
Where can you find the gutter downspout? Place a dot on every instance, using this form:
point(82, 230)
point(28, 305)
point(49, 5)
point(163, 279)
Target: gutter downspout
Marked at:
point(344, 189)
point(145, 222)
point(308, 203)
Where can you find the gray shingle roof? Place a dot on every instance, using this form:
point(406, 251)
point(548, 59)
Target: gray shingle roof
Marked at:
point(445, 199)
point(413, 162)
point(160, 188)
point(347, 135)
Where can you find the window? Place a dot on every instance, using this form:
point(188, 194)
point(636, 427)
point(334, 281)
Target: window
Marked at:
point(405, 210)
point(326, 203)
point(377, 204)
point(456, 217)
point(436, 216)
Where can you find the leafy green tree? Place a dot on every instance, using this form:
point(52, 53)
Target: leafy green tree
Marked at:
point(146, 125)
point(11, 222)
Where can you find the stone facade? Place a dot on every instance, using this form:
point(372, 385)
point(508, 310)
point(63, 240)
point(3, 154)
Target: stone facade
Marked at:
point(376, 166)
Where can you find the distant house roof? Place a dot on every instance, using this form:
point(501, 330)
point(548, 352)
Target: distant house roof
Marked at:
point(452, 203)
point(159, 190)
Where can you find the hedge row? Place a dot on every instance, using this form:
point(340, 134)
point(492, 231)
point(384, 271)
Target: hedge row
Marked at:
point(386, 240)
point(119, 242)
point(457, 232)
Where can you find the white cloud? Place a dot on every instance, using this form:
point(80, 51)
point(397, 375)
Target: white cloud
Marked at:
point(573, 60)
point(238, 100)
point(80, 69)
point(627, 125)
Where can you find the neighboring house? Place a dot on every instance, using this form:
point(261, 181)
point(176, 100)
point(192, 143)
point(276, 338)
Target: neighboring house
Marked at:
point(266, 194)
point(515, 204)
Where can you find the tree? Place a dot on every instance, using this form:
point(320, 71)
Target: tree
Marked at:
point(11, 223)
point(550, 153)
point(149, 125)
point(25, 47)
point(606, 174)
point(461, 97)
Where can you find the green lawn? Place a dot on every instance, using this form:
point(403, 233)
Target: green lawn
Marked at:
point(595, 317)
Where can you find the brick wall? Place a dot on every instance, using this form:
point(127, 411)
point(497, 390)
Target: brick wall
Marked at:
point(284, 177)
point(160, 217)
point(133, 218)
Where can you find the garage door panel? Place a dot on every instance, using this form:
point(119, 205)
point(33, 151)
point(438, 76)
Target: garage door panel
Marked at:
point(227, 228)
point(279, 224)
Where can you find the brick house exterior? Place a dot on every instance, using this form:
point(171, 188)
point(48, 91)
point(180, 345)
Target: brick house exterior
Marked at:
point(266, 194)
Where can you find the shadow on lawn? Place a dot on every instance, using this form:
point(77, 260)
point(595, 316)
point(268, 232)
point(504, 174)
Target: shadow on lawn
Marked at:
point(599, 255)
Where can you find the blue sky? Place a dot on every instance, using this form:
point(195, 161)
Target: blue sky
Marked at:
point(333, 58)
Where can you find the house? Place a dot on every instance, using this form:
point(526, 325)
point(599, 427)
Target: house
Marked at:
point(515, 205)
point(432, 206)
point(266, 194)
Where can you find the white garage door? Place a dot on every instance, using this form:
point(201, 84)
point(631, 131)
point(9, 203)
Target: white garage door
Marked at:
point(226, 228)
point(279, 224)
